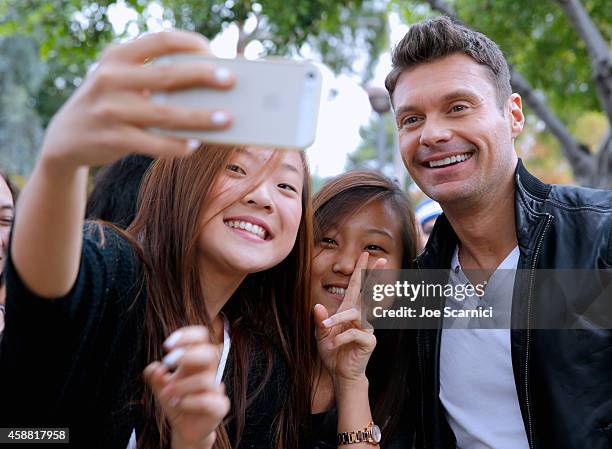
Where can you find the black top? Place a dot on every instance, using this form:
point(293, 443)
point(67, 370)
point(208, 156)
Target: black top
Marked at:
point(77, 361)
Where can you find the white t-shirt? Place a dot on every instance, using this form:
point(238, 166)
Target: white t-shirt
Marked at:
point(477, 386)
point(218, 376)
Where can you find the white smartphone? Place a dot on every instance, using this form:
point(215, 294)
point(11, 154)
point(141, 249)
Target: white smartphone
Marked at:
point(274, 103)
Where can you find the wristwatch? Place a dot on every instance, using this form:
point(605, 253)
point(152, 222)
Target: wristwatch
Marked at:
point(370, 434)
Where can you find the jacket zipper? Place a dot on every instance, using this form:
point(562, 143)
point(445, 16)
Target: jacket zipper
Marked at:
point(421, 377)
point(529, 298)
point(422, 392)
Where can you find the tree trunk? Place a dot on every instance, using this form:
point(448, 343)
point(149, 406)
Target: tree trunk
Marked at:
point(581, 161)
point(601, 59)
point(601, 65)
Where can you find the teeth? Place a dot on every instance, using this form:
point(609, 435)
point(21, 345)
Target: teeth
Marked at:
point(450, 160)
point(337, 291)
point(249, 227)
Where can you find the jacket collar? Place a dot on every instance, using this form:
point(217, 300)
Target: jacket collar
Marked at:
point(529, 203)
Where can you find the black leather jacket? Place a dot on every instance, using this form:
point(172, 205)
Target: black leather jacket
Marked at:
point(563, 377)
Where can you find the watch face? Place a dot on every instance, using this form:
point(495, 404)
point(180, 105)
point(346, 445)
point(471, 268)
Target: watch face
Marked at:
point(376, 435)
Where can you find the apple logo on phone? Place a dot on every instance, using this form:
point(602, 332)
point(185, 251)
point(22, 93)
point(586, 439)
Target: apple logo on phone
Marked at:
point(271, 100)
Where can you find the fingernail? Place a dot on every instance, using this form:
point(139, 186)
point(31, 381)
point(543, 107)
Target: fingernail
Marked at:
point(173, 401)
point(222, 74)
point(327, 322)
point(193, 144)
point(173, 339)
point(219, 118)
point(171, 359)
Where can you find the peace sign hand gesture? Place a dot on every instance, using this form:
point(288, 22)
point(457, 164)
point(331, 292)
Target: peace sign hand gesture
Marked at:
point(344, 344)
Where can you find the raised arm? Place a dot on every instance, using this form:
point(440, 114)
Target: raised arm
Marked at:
point(105, 119)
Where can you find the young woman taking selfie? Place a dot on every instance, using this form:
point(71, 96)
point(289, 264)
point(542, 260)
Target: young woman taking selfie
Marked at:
point(201, 287)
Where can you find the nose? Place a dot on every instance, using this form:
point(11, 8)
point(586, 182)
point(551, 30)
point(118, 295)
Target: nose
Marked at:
point(4, 238)
point(260, 197)
point(434, 131)
point(345, 262)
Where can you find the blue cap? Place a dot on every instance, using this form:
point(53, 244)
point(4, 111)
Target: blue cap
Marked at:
point(427, 210)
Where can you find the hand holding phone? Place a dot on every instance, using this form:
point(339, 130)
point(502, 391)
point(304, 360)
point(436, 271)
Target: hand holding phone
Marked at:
point(274, 103)
point(111, 113)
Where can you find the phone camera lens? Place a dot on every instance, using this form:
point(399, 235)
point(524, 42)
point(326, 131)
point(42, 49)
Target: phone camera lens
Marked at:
point(310, 75)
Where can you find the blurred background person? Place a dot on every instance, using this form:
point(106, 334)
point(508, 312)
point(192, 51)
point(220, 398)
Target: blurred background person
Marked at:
point(7, 209)
point(115, 192)
point(426, 214)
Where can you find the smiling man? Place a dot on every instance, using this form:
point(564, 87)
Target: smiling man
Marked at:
point(506, 388)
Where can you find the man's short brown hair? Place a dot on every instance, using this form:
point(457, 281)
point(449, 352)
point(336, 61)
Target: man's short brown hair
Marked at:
point(436, 38)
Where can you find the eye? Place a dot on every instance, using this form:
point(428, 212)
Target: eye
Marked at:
point(458, 108)
point(6, 221)
point(287, 187)
point(410, 120)
point(327, 241)
point(235, 168)
point(375, 248)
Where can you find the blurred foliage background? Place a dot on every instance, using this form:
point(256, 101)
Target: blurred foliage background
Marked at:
point(562, 71)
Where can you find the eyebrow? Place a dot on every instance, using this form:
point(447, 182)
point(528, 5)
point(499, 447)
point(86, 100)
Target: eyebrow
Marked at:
point(291, 167)
point(462, 94)
point(7, 207)
point(284, 165)
point(380, 231)
point(447, 98)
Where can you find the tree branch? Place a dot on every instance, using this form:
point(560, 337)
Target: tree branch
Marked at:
point(581, 162)
point(443, 7)
point(601, 58)
point(604, 163)
point(245, 38)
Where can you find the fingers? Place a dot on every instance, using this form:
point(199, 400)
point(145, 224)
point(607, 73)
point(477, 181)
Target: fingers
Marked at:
point(365, 340)
point(351, 316)
point(162, 77)
point(379, 264)
point(157, 376)
point(197, 383)
point(158, 44)
point(320, 315)
point(135, 140)
point(188, 335)
point(130, 108)
point(190, 351)
point(213, 404)
point(351, 298)
point(193, 359)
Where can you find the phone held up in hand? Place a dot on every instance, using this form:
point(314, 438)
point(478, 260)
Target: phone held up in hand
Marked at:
point(274, 103)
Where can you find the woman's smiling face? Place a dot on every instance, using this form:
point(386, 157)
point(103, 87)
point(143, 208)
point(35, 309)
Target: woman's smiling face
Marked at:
point(259, 230)
point(375, 228)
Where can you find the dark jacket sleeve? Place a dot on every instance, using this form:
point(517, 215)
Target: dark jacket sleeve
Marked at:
point(55, 354)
